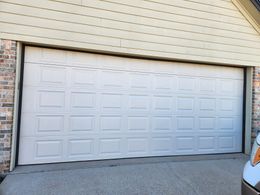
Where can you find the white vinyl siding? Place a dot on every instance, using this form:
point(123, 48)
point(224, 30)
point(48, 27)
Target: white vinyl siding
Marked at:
point(197, 30)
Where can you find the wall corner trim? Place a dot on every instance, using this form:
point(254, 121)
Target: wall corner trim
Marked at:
point(246, 10)
point(248, 110)
point(16, 105)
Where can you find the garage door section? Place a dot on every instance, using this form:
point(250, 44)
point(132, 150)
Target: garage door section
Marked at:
point(79, 106)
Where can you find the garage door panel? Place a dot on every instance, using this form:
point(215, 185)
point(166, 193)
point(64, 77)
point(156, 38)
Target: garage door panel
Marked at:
point(137, 146)
point(113, 79)
point(207, 143)
point(82, 123)
point(112, 102)
point(81, 148)
point(164, 83)
point(185, 105)
point(161, 145)
point(42, 124)
point(79, 106)
point(229, 106)
point(187, 84)
point(82, 100)
point(84, 78)
point(41, 150)
point(138, 124)
point(185, 144)
point(207, 85)
point(45, 74)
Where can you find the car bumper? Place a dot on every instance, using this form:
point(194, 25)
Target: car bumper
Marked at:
point(248, 190)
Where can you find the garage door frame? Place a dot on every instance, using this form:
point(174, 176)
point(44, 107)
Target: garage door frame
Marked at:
point(247, 99)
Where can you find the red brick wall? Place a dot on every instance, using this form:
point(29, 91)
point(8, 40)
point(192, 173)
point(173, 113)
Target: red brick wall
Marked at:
point(256, 102)
point(7, 85)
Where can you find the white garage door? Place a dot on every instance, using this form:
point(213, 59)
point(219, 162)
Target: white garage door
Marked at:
point(80, 106)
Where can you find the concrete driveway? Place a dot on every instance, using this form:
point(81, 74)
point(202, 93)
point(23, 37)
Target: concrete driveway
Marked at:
point(218, 175)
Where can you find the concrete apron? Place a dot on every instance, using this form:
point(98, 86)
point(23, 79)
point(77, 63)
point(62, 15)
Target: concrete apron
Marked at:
point(119, 162)
point(199, 175)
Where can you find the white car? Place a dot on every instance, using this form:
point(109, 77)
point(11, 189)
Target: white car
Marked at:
point(251, 175)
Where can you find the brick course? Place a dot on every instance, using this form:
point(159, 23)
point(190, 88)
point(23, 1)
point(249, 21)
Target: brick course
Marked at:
point(256, 102)
point(7, 86)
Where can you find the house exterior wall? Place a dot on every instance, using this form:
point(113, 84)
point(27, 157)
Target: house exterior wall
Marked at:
point(7, 83)
point(8, 57)
point(198, 30)
point(194, 31)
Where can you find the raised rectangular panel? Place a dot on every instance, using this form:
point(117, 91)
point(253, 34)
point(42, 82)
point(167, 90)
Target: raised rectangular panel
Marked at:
point(110, 146)
point(33, 79)
point(162, 123)
point(163, 82)
point(138, 123)
point(110, 123)
point(29, 124)
point(162, 103)
point(207, 104)
point(231, 73)
point(82, 123)
point(185, 144)
point(226, 142)
point(48, 149)
point(161, 144)
point(206, 143)
point(32, 98)
point(50, 124)
point(226, 104)
point(227, 86)
point(51, 99)
point(187, 69)
point(52, 75)
point(112, 62)
point(185, 103)
point(207, 123)
point(164, 68)
point(111, 101)
point(139, 102)
point(83, 77)
point(239, 86)
point(80, 147)
point(185, 123)
point(226, 123)
point(114, 79)
point(140, 81)
point(138, 65)
point(186, 84)
point(82, 100)
point(137, 145)
point(208, 71)
point(33, 54)
point(207, 85)
point(83, 59)
point(50, 55)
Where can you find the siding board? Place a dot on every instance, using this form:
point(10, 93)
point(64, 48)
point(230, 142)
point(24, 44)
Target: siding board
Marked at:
point(223, 4)
point(152, 28)
point(119, 34)
point(143, 11)
point(132, 19)
point(200, 7)
point(116, 50)
point(59, 20)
